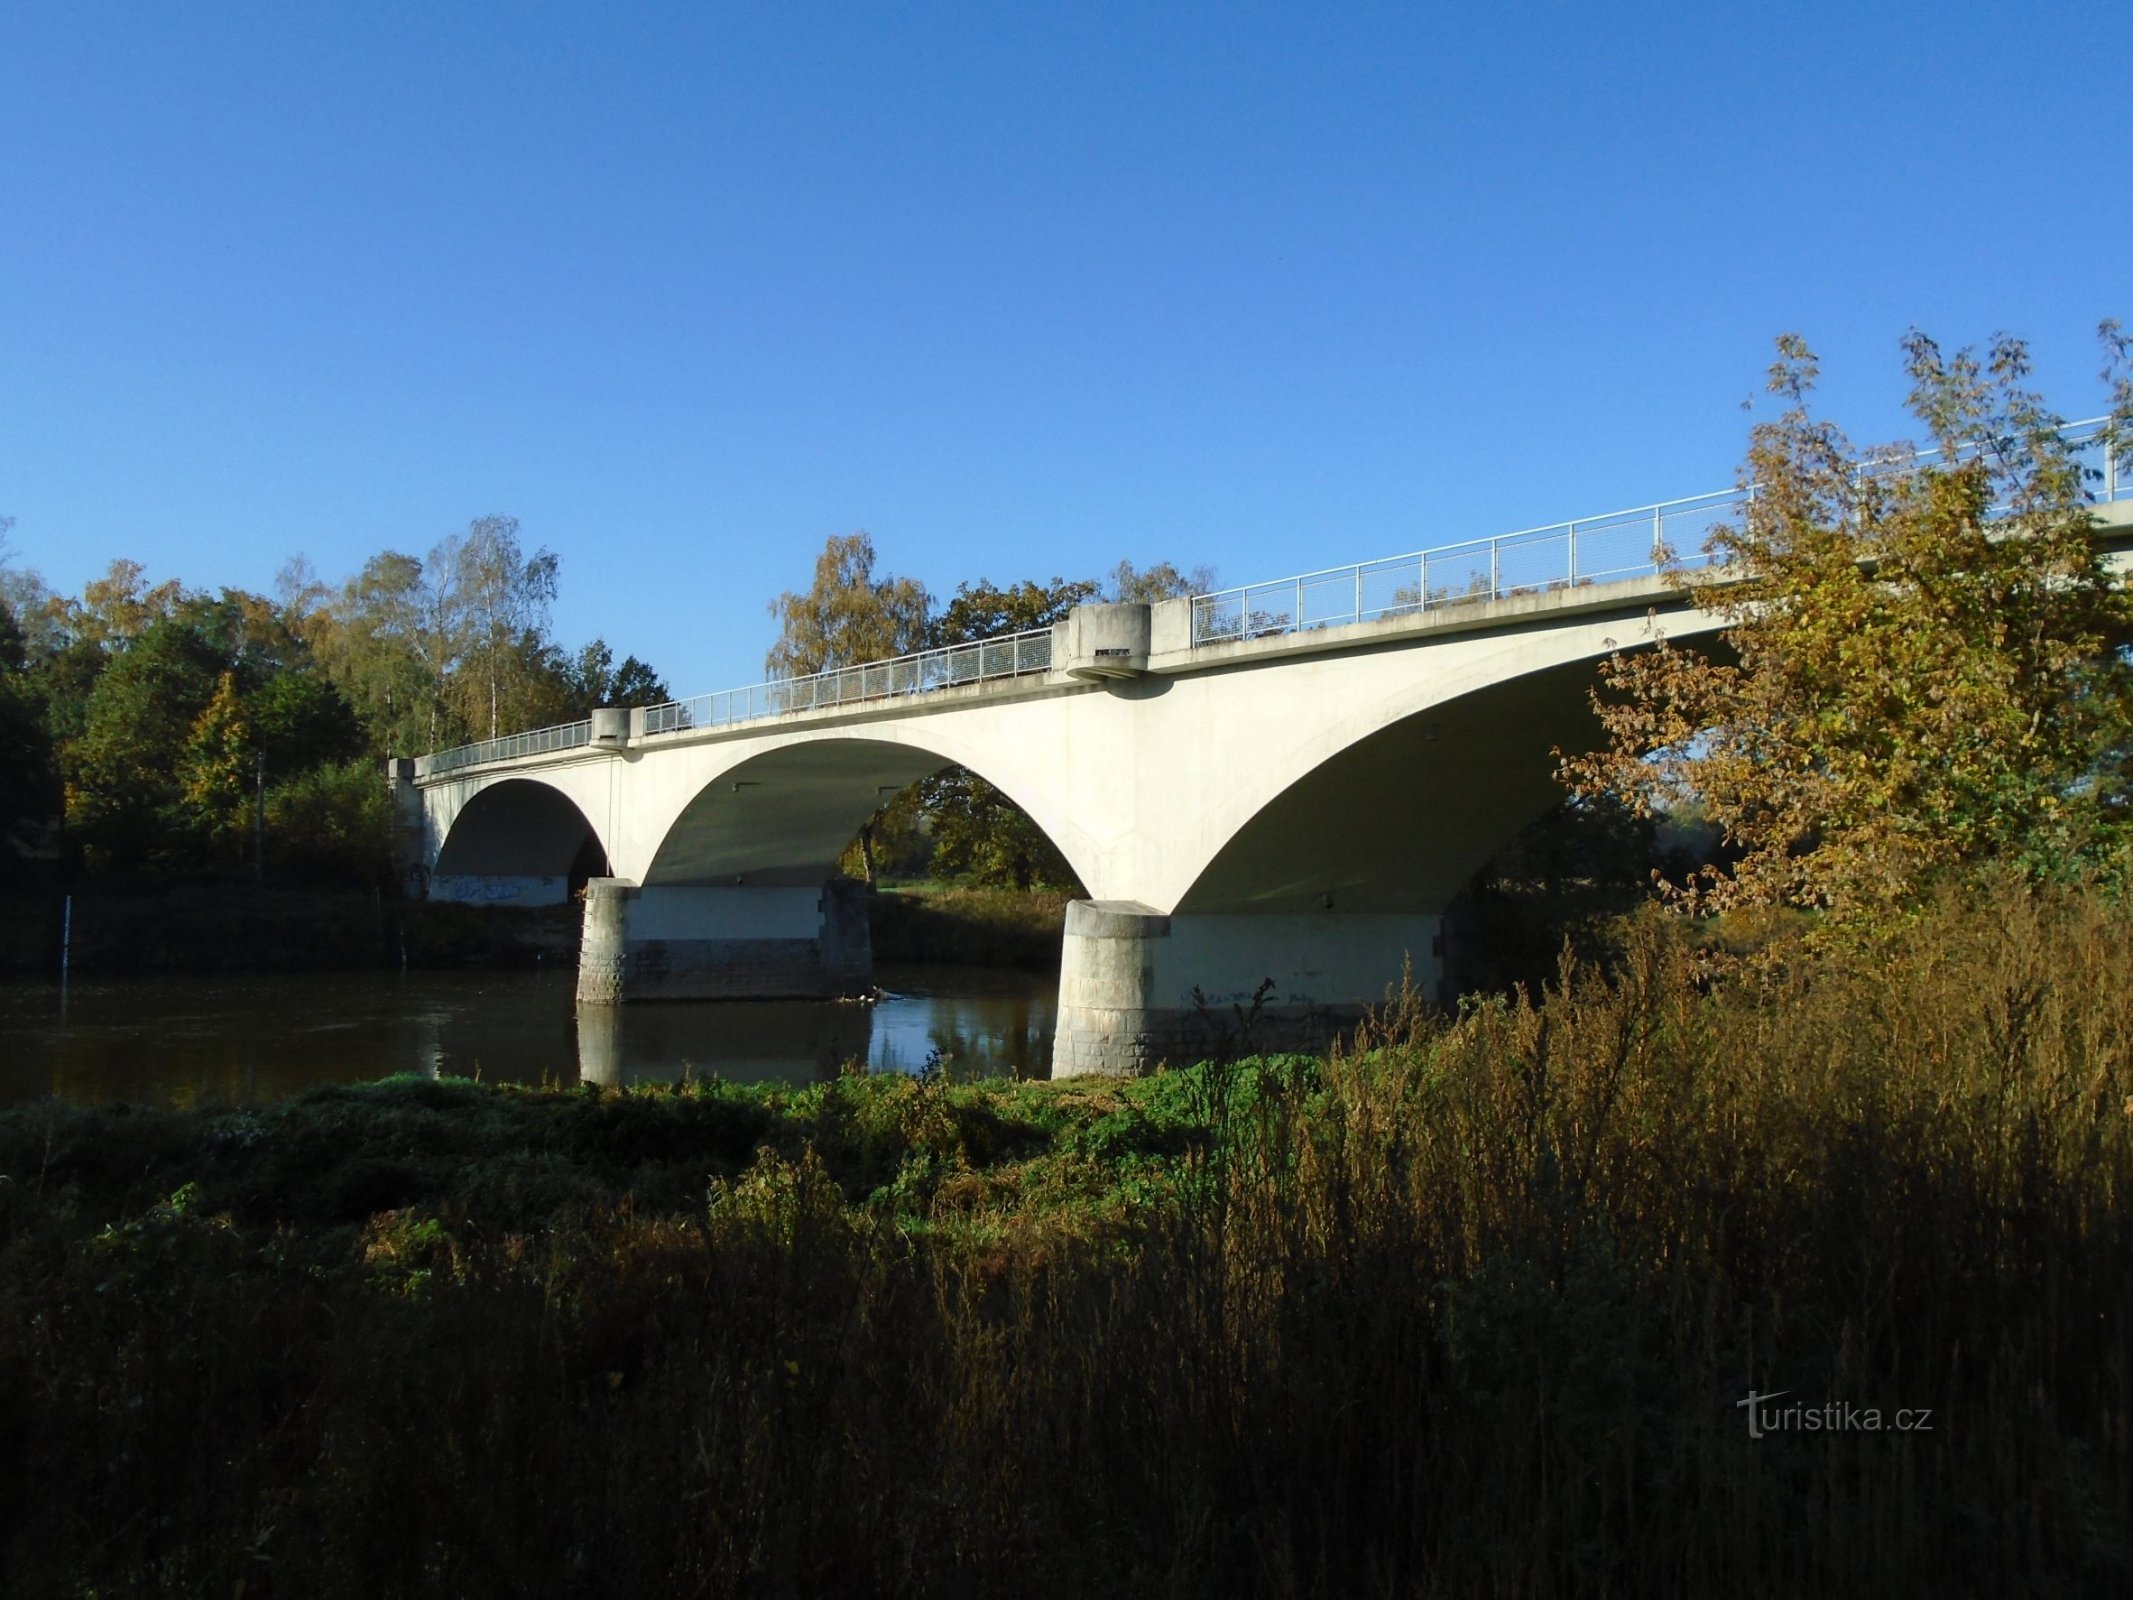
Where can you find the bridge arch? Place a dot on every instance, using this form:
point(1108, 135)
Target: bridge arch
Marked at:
point(1402, 815)
point(782, 817)
point(517, 842)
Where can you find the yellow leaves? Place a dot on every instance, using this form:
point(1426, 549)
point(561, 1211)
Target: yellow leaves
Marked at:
point(1916, 684)
point(217, 768)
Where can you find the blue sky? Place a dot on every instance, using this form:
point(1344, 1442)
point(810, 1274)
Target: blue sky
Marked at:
point(1021, 290)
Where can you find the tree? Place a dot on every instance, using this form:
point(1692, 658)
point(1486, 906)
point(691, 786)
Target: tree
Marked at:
point(218, 767)
point(29, 788)
point(373, 638)
point(490, 605)
point(331, 824)
point(119, 607)
point(984, 611)
point(847, 616)
point(1929, 668)
point(978, 832)
point(1163, 581)
point(126, 770)
point(593, 679)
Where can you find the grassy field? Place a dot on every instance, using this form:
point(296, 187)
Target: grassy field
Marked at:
point(1467, 1308)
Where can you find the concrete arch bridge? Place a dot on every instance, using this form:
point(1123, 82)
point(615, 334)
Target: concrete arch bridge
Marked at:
point(1285, 782)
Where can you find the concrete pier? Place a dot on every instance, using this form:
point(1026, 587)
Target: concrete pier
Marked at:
point(1138, 989)
point(741, 943)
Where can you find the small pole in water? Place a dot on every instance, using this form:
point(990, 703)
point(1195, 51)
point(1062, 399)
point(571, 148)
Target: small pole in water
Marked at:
point(259, 815)
point(66, 941)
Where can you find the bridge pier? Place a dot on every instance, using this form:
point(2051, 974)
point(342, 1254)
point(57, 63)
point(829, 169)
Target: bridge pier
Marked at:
point(1137, 988)
point(742, 943)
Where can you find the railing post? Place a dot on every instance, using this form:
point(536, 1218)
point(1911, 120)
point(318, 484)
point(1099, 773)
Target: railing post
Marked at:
point(1658, 535)
point(1572, 540)
point(1495, 570)
point(1296, 622)
point(1359, 594)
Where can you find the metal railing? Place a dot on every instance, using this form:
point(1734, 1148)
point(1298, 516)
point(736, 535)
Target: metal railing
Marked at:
point(564, 736)
point(1636, 543)
point(948, 667)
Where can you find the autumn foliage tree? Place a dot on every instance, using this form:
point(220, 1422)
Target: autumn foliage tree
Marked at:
point(1928, 667)
point(847, 615)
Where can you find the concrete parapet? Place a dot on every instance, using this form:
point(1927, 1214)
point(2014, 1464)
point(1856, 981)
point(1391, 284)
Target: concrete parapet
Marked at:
point(1138, 989)
point(1106, 640)
point(691, 943)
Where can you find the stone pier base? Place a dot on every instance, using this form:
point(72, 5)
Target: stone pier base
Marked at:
point(1138, 989)
point(723, 944)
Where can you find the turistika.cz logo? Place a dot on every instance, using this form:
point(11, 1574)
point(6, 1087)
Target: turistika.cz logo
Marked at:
point(1832, 1416)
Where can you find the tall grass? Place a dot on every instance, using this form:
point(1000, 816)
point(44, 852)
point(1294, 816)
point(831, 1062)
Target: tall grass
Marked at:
point(1466, 1308)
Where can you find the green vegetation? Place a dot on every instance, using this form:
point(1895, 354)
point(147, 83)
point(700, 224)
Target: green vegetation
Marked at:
point(154, 735)
point(1468, 1308)
point(969, 926)
point(1929, 668)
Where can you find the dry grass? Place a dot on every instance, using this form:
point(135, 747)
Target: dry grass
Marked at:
point(1465, 1309)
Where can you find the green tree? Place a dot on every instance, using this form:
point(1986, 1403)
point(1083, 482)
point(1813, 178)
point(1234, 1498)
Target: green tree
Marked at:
point(978, 833)
point(1163, 581)
point(29, 786)
point(489, 602)
point(374, 639)
point(331, 824)
point(983, 610)
point(1929, 668)
point(29, 782)
point(300, 720)
point(126, 787)
point(593, 679)
point(847, 615)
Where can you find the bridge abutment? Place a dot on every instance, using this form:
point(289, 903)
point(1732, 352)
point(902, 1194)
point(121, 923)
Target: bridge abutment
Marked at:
point(742, 943)
point(1138, 988)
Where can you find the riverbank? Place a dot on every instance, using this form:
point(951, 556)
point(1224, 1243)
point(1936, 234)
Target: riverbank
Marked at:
point(969, 927)
point(245, 927)
point(1471, 1307)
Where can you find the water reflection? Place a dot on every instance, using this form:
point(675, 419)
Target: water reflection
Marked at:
point(759, 1041)
point(232, 1040)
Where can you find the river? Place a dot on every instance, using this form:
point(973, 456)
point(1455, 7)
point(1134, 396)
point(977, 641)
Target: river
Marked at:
point(193, 1041)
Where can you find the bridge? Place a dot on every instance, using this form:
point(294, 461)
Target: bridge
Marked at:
point(1287, 782)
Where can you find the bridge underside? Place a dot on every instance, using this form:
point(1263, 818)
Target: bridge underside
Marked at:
point(519, 843)
point(1331, 899)
point(1399, 822)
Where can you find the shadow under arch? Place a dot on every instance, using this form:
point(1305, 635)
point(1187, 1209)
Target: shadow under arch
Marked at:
point(783, 818)
point(1401, 819)
point(519, 842)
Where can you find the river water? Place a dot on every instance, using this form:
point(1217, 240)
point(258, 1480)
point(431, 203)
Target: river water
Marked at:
point(234, 1040)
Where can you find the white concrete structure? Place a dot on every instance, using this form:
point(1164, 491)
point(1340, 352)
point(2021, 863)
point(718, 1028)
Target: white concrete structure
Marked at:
point(1292, 805)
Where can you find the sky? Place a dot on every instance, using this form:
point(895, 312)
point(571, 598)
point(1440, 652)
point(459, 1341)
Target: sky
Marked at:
point(1021, 290)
